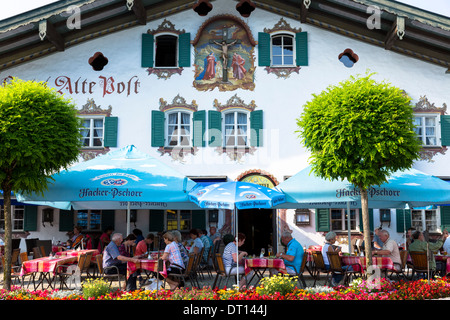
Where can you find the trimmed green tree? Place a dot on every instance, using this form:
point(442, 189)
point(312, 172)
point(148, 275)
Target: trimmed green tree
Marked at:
point(360, 130)
point(39, 135)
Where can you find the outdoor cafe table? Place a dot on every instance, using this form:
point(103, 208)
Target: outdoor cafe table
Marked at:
point(77, 253)
point(260, 265)
point(145, 264)
point(383, 263)
point(46, 266)
point(447, 261)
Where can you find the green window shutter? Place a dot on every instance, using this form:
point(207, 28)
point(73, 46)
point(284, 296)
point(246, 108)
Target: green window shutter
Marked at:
point(156, 221)
point(199, 129)
point(147, 50)
point(199, 219)
point(403, 220)
point(157, 128)
point(445, 217)
point(108, 218)
point(66, 220)
point(322, 220)
point(371, 223)
point(30, 218)
point(184, 50)
point(256, 126)
point(263, 49)
point(301, 48)
point(215, 128)
point(111, 125)
point(445, 130)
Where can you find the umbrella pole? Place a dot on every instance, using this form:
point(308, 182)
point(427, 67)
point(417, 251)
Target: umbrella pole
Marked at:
point(128, 218)
point(348, 228)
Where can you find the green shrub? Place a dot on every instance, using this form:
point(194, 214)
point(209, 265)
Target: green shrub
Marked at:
point(95, 288)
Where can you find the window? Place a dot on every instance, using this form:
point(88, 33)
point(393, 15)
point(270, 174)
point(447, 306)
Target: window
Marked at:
point(92, 132)
point(339, 219)
point(236, 129)
point(179, 129)
point(179, 220)
point(166, 51)
point(424, 220)
point(90, 220)
point(17, 218)
point(283, 50)
point(426, 128)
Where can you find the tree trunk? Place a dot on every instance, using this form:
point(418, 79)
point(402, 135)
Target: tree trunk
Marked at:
point(7, 237)
point(366, 228)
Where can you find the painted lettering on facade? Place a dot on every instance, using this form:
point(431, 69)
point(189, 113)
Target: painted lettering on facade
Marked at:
point(105, 85)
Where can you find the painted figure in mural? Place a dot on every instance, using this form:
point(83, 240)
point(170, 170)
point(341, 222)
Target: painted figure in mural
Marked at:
point(238, 66)
point(209, 71)
point(225, 46)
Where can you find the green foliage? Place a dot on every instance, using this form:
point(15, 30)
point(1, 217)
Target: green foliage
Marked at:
point(360, 130)
point(95, 288)
point(39, 134)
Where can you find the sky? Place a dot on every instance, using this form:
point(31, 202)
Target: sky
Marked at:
point(10, 8)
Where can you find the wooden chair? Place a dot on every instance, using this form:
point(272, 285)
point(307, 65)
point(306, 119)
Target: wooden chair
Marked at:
point(299, 273)
point(207, 265)
point(220, 272)
point(401, 267)
point(64, 272)
point(337, 268)
point(419, 264)
point(37, 253)
point(87, 264)
point(198, 260)
point(319, 267)
point(23, 258)
point(42, 249)
point(102, 274)
point(15, 271)
point(188, 273)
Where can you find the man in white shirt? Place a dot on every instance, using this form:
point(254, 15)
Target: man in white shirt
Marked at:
point(390, 248)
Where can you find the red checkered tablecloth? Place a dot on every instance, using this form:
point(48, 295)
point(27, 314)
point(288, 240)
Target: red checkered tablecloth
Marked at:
point(264, 263)
point(46, 264)
point(145, 264)
point(380, 262)
point(76, 253)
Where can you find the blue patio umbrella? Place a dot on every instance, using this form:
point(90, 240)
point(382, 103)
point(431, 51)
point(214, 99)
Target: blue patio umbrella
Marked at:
point(235, 195)
point(406, 188)
point(122, 179)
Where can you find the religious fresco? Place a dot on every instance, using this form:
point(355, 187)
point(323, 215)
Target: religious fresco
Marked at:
point(224, 55)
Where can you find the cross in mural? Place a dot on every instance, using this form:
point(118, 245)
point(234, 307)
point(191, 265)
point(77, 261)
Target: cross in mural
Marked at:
point(224, 44)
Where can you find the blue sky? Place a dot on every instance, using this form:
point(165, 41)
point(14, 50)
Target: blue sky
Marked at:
point(8, 9)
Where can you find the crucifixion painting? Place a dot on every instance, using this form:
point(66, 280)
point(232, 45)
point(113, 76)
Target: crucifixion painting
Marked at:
point(223, 56)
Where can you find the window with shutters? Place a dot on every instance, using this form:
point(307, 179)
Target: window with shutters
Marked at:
point(18, 215)
point(165, 50)
point(425, 220)
point(179, 129)
point(282, 49)
point(92, 132)
point(339, 219)
point(236, 128)
point(426, 127)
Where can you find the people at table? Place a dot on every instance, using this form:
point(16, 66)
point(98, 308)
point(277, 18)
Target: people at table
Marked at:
point(409, 238)
point(143, 246)
point(197, 245)
point(173, 256)
point(139, 235)
point(112, 257)
point(420, 245)
point(128, 245)
point(294, 253)
point(329, 246)
point(206, 245)
point(233, 260)
point(213, 235)
point(75, 241)
point(105, 238)
point(377, 242)
point(183, 251)
point(389, 249)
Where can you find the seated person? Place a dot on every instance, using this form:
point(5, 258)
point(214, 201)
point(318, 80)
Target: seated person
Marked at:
point(329, 246)
point(198, 243)
point(112, 257)
point(232, 260)
point(173, 256)
point(76, 239)
point(143, 246)
point(126, 247)
point(294, 254)
point(419, 244)
point(389, 249)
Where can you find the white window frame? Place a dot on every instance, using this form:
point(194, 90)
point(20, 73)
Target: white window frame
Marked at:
point(224, 125)
point(176, 49)
point(282, 34)
point(15, 209)
point(167, 125)
point(178, 220)
point(89, 219)
point(343, 219)
point(437, 128)
point(422, 223)
point(91, 132)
